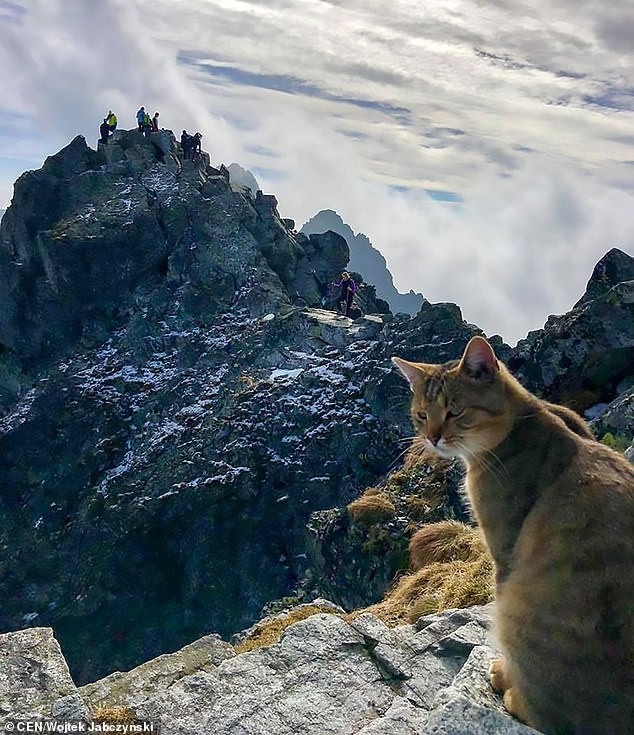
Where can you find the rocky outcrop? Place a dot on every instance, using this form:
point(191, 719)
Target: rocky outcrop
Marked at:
point(614, 423)
point(325, 675)
point(91, 235)
point(614, 267)
point(583, 357)
point(366, 259)
point(34, 679)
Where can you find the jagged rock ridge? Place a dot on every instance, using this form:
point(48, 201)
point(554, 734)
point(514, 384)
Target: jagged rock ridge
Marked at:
point(180, 416)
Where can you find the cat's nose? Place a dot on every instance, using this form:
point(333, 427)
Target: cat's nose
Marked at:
point(434, 439)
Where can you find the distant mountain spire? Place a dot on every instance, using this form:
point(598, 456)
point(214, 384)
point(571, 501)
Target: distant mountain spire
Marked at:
point(242, 177)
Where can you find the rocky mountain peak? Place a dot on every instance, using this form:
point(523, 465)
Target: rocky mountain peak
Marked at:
point(93, 239)
point(614, 267)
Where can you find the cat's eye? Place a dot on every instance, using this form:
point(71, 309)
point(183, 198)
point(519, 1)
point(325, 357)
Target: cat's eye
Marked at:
point(455, 413)
point(421, 416)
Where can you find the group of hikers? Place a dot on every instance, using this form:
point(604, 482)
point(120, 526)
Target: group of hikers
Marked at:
point(190, 144)
point(108, 126)
point(147, 125)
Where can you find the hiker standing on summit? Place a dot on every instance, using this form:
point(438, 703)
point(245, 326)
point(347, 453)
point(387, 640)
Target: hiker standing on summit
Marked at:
point(185, 144)
point(140, 118)
point(104, 131)
point(111, 119)
point(346, 294)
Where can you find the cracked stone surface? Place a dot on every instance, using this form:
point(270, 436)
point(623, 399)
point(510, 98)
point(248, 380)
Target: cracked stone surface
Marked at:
point(325, 676)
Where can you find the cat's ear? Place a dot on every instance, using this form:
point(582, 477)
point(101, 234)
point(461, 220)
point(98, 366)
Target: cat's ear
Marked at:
point(413, 372)
point(478, 360)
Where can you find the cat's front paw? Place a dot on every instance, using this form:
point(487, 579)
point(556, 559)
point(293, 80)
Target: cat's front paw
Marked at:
point(514, 704)
point(497, 676)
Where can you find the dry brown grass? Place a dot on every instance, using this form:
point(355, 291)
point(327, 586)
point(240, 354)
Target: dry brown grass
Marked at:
point(114, 715)
point(445, 541)
point(457, 573)
point(269, 632)
point(372, 507)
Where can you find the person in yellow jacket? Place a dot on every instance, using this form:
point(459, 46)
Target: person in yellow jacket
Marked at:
point(111, 119)
point(147, 124)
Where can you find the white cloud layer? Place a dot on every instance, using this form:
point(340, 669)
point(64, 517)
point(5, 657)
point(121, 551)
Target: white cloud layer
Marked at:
point(524, 109)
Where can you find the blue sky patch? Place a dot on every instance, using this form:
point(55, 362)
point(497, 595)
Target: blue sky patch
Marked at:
point(13, 13)
point(289, 85)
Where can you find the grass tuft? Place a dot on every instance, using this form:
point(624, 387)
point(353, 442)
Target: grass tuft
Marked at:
point(114, 715)
point(270, 631)
point(445, 541)
point(372, 507)
point(452, 569)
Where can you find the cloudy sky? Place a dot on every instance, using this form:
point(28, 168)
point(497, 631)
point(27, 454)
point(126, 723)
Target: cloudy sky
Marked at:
point(486, 148)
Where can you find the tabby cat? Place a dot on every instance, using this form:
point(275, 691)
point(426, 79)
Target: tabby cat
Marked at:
point(556, 509)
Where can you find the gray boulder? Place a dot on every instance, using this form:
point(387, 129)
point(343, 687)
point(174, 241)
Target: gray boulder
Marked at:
point(34, 679)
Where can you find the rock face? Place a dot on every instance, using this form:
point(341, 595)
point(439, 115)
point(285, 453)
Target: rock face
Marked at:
point(367, 260)
point(614, 267)
point(584, 357)
point(325, 675)
point(176, 406)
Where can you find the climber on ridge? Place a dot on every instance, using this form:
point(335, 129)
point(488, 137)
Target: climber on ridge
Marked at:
point(147, 125)
point(195, 143)
point(185, 138)
point(348, 288)
point(354, 312)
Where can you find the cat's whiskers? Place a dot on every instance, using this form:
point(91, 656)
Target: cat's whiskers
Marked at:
point(419, 448)
point(481, 460)
point(413, 448)
point(499, 462)
point(479, 450)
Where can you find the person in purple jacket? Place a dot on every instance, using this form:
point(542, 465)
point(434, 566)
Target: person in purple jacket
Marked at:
point(348, 288)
